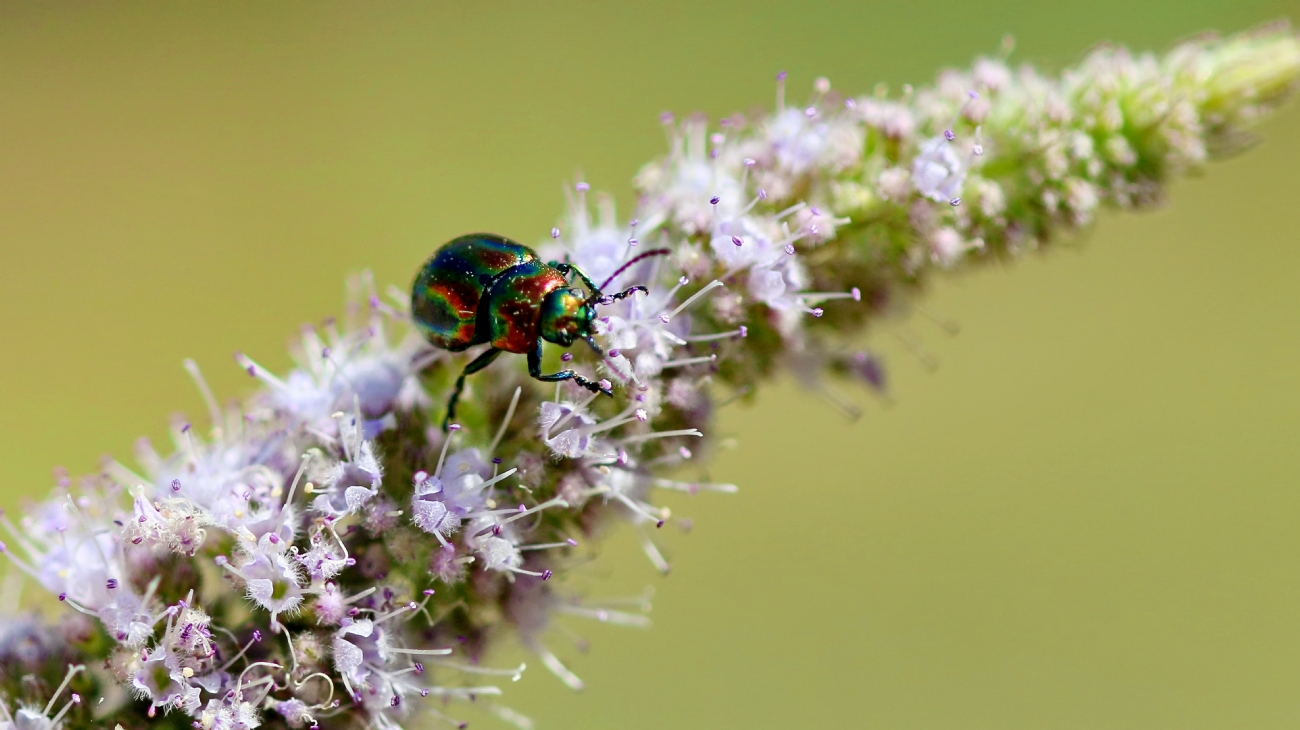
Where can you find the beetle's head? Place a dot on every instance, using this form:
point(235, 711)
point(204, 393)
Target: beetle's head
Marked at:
point(567, 316)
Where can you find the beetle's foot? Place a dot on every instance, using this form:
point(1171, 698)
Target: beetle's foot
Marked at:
point(603, 386)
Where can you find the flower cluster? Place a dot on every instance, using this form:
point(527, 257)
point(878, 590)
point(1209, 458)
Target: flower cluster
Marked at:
point(325, 554)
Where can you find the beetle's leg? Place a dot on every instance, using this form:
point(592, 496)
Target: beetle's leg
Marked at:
point(623, 294)
point(535, 370)
point(478, 364)
point(565, 268)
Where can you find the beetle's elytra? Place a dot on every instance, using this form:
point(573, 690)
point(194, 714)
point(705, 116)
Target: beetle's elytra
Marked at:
point(484, 288)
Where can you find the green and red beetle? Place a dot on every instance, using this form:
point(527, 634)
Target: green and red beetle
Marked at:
point(484, 288)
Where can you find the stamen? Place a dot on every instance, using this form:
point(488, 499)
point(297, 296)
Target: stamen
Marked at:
point(514, 674)
point(626, 417)
point(565, 419)
point(693, 298)
point(641, 508)
point(302, 468)
point(326, 702)
point(396, 612)
point(814, 297)
point(213, 411)
point(64, 597)
point(493, 480)
point(421, 652)
point(19, 562)
point(947, 325)
point(693, 487)
point(462, 691)
point(72, 672)
point(260, 372)
point(256, 637)
point(652, 552)
point(792, 209)
point(742, 331)
point(451, 433)
point(616, 618)
point(360, 595)
point(505, 422)
point(548, 545)
point(19, 537)
point(689, 361)
point(544, 574)
point(507, 715)
point(914, 346)
point(635, 438)
point(519, 515)
point(76, 700)
point(557, 668)
point(90, 531)
point(239, 685)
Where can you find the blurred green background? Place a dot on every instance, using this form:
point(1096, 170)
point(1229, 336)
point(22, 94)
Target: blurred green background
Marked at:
point(1085, 518)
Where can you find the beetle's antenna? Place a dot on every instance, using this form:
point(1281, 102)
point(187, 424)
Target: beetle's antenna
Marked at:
point(638, 257)
point(592, 341)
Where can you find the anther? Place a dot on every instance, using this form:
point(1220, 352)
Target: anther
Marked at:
point(714, 200)
point(736, 240)
point(555, 233)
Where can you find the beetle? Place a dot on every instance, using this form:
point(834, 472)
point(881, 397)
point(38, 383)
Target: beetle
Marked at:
point(484, 288)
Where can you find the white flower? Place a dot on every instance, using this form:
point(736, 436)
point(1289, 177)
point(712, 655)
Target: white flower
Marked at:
point(938, 172)
point(79, 556)
point(947, 246)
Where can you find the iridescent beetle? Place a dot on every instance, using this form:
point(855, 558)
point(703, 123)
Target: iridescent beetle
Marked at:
point(485, 288)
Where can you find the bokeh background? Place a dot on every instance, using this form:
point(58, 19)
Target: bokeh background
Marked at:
point(1084, 518)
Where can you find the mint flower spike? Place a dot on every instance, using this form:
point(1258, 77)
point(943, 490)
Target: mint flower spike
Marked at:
point(354, 562)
